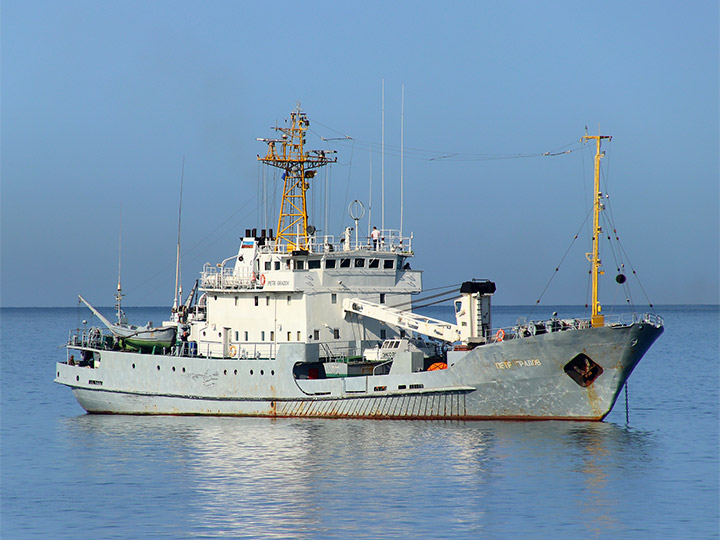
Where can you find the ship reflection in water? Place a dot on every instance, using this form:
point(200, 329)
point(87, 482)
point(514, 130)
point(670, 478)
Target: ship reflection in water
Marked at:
point(303, 478)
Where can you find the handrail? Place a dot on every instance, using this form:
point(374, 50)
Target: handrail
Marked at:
point(386, 362)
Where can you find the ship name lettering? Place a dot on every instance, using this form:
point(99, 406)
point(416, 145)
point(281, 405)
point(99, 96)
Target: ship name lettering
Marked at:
point(526, 363)
point(509, 364)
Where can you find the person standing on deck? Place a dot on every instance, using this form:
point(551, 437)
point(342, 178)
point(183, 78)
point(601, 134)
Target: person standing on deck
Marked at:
point(375, 235)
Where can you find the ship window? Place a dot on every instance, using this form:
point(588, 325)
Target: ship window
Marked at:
point(272, 335)
point(299, 265)
point(359, 263)
point(313, 265)
point(374, 263)
point(336, 333)
point(382, 298)
point(316, 335)
point(333, 298)
point(246, 335)
point(383, 334)
point(267, 300)
point(236, 301)
point(389, 264)
point(262, 335)
point(288, 299)
point(256, 300)
point(344, 263)
point(298, 335)
point(237, 335)
point(287, 264)
point(277, 265)
point(268, 265)
point(402, 333)
point(330, 263)
point(289, 336)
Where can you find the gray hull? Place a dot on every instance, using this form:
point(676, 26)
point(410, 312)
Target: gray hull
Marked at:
point(519, 379)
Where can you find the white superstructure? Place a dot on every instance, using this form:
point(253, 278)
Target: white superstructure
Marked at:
point(262, 298)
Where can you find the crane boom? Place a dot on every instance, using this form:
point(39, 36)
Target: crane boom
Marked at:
point(406, 320)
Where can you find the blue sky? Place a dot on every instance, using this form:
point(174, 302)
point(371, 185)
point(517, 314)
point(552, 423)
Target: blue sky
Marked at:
point(101, 100)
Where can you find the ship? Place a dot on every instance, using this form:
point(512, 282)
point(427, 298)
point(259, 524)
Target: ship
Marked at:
point(302, 324)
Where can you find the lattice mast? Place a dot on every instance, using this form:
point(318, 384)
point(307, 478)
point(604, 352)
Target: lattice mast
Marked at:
point(288, 153)
point(597, 318)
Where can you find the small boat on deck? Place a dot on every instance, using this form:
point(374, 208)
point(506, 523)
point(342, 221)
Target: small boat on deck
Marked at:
point(130, 336)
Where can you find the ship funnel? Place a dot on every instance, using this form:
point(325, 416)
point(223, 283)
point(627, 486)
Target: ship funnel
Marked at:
point(472, 310)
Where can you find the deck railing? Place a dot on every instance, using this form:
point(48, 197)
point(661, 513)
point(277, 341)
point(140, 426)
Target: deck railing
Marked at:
point(390, 242)
point(524, 328)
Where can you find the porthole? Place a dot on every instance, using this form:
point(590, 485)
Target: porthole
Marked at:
point(272, 372)
point(251, 372)
point(225, 372)
point(173, 368)
point(133, 366)
point(183, 370)
point(262, 372)
point(236, 372)
point(77, 378)
point(158, 368)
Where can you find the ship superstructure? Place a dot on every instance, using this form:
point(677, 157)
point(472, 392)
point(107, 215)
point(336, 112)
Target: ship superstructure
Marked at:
point(308, 324)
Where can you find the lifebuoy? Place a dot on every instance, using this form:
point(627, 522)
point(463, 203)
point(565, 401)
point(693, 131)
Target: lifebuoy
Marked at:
point(500, 335)
point(233, 350)
point(262, 279)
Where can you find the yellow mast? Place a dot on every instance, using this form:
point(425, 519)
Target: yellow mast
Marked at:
point(597, 318)
point(298, 166)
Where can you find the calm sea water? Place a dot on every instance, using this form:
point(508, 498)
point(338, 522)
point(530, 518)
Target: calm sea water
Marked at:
point(65, 474)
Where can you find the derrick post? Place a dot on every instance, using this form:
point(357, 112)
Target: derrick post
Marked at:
point(597, 318)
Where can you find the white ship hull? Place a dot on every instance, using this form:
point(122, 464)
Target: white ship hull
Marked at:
point(515, 379)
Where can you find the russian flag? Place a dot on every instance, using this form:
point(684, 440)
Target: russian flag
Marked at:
point(247, 244)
